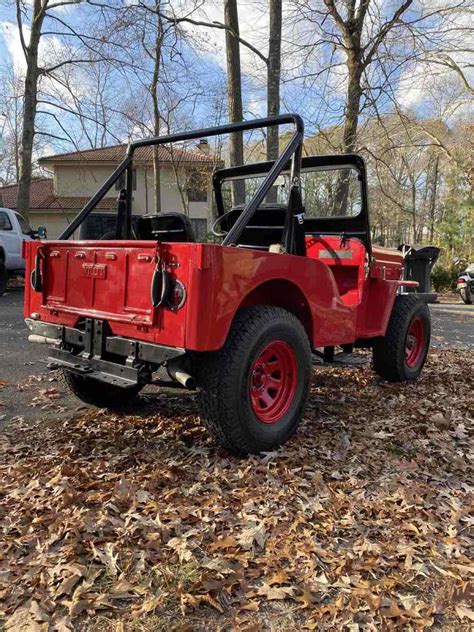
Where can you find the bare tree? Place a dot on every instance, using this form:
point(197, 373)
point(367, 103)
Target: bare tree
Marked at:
point(274, 75)
point(155, 54)
point(350, 27)
point(33, 17)
point(234, 94)
point(33, 72)
point(11, 121)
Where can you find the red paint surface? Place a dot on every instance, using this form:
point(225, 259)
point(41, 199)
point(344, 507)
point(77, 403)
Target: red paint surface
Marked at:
point(338, 299)
point(414, 344)
point(273, 382)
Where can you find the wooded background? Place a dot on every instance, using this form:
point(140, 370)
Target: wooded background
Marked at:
point(390, 79)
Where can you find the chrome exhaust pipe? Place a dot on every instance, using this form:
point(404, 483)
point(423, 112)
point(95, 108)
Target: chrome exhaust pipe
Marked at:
point(44, 340)
point(178, 374)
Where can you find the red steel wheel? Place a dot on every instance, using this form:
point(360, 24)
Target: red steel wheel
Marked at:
point(254, 390)
point(273, 381)
point(399, 356)
point(415, 342)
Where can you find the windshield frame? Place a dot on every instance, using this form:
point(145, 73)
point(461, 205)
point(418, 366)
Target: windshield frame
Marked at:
point(357, 226)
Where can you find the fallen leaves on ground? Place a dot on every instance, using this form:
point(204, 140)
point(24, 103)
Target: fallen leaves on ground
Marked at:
point(137, 522)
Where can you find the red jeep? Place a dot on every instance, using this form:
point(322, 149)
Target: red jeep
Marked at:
point(238, 320)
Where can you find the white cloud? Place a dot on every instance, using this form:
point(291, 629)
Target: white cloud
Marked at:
point(11, 37)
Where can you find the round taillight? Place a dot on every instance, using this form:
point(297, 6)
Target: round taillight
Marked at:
point(177, 295)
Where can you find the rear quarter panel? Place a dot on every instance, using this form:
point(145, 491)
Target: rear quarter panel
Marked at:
point(224, 276)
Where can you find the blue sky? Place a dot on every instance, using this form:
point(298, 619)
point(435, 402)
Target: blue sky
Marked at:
point(198, 72)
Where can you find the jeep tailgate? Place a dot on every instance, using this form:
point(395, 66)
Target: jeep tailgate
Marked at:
point(109, 281)
point(76, 277)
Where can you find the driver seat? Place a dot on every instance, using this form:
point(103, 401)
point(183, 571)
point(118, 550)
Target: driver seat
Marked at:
point(264, 229)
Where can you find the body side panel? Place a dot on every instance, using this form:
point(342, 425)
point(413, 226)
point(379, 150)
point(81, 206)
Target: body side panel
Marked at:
point(228, 275)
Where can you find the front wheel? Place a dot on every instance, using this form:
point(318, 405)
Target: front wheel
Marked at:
point(97, 393)
point(466, 295)
point(3, 278)
point(399, 356)
point(254, 390)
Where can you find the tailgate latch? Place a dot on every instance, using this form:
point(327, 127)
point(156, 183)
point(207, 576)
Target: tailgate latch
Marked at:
point(160, 284)
point(36, 279)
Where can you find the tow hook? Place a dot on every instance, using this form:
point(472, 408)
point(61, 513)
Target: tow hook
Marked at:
point(177, 372)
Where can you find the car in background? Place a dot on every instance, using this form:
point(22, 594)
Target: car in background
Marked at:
point(14, 230)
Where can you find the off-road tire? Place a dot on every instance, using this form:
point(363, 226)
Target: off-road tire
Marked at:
point(3, 277)
point(97, 393)
point(466, 295)
point(224, 379)
point(389, 351)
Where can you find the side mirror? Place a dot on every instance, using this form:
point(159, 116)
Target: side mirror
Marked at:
point(41, 232)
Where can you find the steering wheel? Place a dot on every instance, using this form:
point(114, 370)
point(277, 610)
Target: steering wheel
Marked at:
point(222, 233)
point(217, 222)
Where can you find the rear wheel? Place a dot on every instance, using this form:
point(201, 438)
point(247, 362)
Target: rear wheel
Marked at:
point(254, 390)
point(466, 296)
point(3, 277)
point(97, 393)
point(400, 355)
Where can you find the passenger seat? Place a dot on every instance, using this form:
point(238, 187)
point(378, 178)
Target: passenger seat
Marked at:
point(171, 227)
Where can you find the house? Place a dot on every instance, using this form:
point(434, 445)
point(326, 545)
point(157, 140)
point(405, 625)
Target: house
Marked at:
point(185, 182)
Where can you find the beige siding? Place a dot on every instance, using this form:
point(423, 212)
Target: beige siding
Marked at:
point(54, 222)
point(83, 181)
point(80, 181)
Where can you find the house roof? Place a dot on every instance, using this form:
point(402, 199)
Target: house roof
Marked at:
point(42, 197)
point(116, 153)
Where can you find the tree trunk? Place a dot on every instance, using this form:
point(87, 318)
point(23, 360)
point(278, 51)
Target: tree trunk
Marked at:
point(351, 121)
point(413, 209)
point(273, 76)
point(156, 110)
point(352, 109)
point(29, 112)
point(273, 85)
point(434, 193)
point(234, 94)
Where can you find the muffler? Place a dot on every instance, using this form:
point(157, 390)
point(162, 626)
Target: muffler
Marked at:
point(177, 373)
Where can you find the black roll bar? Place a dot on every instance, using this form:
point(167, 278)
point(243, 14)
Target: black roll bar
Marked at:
point(269, 121)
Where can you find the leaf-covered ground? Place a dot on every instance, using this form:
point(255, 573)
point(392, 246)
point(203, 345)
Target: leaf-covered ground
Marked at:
point(137, 522)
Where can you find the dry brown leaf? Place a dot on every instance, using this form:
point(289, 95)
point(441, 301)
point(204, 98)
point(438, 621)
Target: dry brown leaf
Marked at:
point(276, 592)
point(464, 612)
point(67, 585)
point(253, 534)
point(362, 518)
point(225, 543)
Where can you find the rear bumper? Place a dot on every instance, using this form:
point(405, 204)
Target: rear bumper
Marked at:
point(110, 359)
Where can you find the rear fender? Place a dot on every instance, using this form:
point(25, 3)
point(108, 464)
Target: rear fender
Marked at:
point(285, 294)
point(234, 278)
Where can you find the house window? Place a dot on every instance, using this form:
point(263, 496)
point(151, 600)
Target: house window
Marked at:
point(197, 186)
point(5, 223)
point(120, 184)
